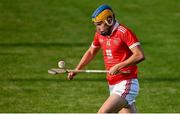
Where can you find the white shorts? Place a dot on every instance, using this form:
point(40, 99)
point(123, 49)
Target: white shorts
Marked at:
point(127, 89)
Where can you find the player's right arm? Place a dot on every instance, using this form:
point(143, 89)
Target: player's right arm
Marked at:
point(87, 57)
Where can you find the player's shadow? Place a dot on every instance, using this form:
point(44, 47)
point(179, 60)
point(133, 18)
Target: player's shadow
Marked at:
point(54, 44)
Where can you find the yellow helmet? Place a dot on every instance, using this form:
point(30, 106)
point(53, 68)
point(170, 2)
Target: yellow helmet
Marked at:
point(102, 13)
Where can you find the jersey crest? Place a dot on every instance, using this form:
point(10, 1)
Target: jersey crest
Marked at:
point(116, 41)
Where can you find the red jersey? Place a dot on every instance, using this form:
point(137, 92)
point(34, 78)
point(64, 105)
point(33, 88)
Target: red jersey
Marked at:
point(116, 48)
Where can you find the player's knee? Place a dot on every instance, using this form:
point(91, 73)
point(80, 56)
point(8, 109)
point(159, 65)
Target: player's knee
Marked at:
point(130, 109)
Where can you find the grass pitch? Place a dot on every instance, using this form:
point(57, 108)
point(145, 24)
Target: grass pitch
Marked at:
point(36, 34)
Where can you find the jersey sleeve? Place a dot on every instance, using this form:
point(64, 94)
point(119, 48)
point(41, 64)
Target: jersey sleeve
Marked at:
point(130, 39)
point(95, 43)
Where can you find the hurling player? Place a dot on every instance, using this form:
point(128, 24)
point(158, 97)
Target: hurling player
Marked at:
point(121, 51)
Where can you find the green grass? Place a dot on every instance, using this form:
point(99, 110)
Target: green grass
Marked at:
point(36, 34)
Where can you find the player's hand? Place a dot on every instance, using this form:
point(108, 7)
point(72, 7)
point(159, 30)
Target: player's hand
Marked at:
point(71, 75)
point(115, 70)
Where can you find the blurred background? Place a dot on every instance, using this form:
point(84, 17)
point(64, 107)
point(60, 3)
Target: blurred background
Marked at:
point(36, 34)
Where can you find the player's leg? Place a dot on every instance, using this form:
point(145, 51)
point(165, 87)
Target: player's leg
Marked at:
point(130, 109)
point(122, 97)
point(130, 96)
point(113, 104)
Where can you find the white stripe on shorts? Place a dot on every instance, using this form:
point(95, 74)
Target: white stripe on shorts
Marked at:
point(127, 89)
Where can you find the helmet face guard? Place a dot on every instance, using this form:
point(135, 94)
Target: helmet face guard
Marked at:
point(102, 13)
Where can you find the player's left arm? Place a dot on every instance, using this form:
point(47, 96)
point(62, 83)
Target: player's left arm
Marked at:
point(135, 58)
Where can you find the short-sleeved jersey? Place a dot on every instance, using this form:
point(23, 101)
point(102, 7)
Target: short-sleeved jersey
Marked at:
point(116, 48)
